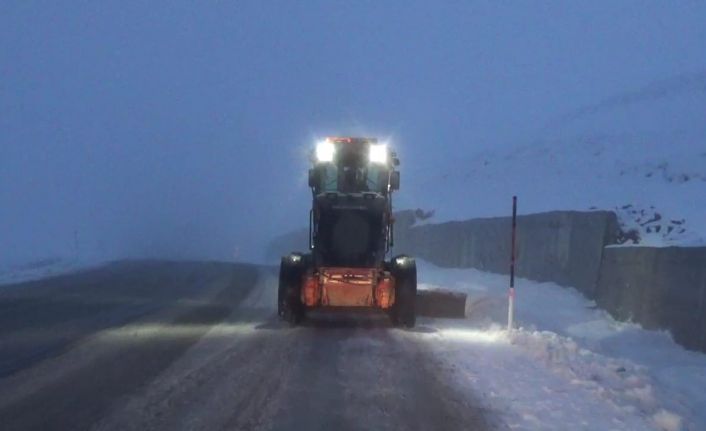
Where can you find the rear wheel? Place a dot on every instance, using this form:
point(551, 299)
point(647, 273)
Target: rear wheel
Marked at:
point(291, 271)
point(404, 270)
point(284, 270)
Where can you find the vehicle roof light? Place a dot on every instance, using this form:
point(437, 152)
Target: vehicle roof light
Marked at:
point(325, 151)
point(378, 153)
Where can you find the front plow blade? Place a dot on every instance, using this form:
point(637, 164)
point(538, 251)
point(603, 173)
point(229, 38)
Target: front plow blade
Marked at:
point(441, 303)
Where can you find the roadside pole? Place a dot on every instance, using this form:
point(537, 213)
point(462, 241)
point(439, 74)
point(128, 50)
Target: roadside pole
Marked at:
point(511, 293)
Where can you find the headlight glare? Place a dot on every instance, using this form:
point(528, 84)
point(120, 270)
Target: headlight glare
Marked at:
point(325, 151)
point(378, 153)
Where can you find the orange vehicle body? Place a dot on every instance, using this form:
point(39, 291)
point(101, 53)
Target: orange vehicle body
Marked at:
point(350, 236)
point(348, 287)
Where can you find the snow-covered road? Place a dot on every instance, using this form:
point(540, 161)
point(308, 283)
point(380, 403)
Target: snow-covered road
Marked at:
point(154, 345)
point(170, 346)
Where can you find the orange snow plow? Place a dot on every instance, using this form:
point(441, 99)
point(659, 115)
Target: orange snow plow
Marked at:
point(350, 234)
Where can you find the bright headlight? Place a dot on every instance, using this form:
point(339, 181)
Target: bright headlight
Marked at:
point(325, 151)
point(378, 153)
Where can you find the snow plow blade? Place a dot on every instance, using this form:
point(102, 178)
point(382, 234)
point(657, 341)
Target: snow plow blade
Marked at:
point(441, 303)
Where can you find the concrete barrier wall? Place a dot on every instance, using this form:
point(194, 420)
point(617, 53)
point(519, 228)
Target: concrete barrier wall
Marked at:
point(660, 288)
point(565, 247)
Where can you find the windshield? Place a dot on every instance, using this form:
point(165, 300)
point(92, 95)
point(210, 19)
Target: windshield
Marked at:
point(353, 179)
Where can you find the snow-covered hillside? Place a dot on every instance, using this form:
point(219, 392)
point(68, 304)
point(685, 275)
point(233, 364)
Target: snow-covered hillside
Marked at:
point(655, 183)
point(640, 153)
point(44, 268)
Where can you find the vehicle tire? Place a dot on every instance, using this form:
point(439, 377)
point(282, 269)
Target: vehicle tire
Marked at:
point(289, 306)
point(404, 270)
point(284, 270)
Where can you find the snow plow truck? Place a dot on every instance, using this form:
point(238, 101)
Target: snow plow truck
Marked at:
point(352, 181)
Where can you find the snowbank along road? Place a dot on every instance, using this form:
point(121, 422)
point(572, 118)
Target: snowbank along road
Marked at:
point(169, 346)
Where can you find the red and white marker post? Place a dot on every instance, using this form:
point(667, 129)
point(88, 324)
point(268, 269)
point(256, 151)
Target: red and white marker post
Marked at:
point(511, 293)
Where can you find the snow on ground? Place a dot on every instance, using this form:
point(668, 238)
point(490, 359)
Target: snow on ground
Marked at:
point(18, 273)
point(569, 366)
point(656, 183)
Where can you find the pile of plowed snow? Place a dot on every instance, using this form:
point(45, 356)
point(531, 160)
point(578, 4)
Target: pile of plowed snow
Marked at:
point(568, 365)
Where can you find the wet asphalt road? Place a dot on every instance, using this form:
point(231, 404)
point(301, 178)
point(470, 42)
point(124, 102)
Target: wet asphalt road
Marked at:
point(197, 346)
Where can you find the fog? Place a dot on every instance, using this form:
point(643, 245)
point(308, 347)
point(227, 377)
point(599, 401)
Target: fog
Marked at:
point(182, 129)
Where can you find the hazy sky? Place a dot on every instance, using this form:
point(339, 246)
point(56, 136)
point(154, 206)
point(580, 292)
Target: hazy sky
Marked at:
point(182, 128)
